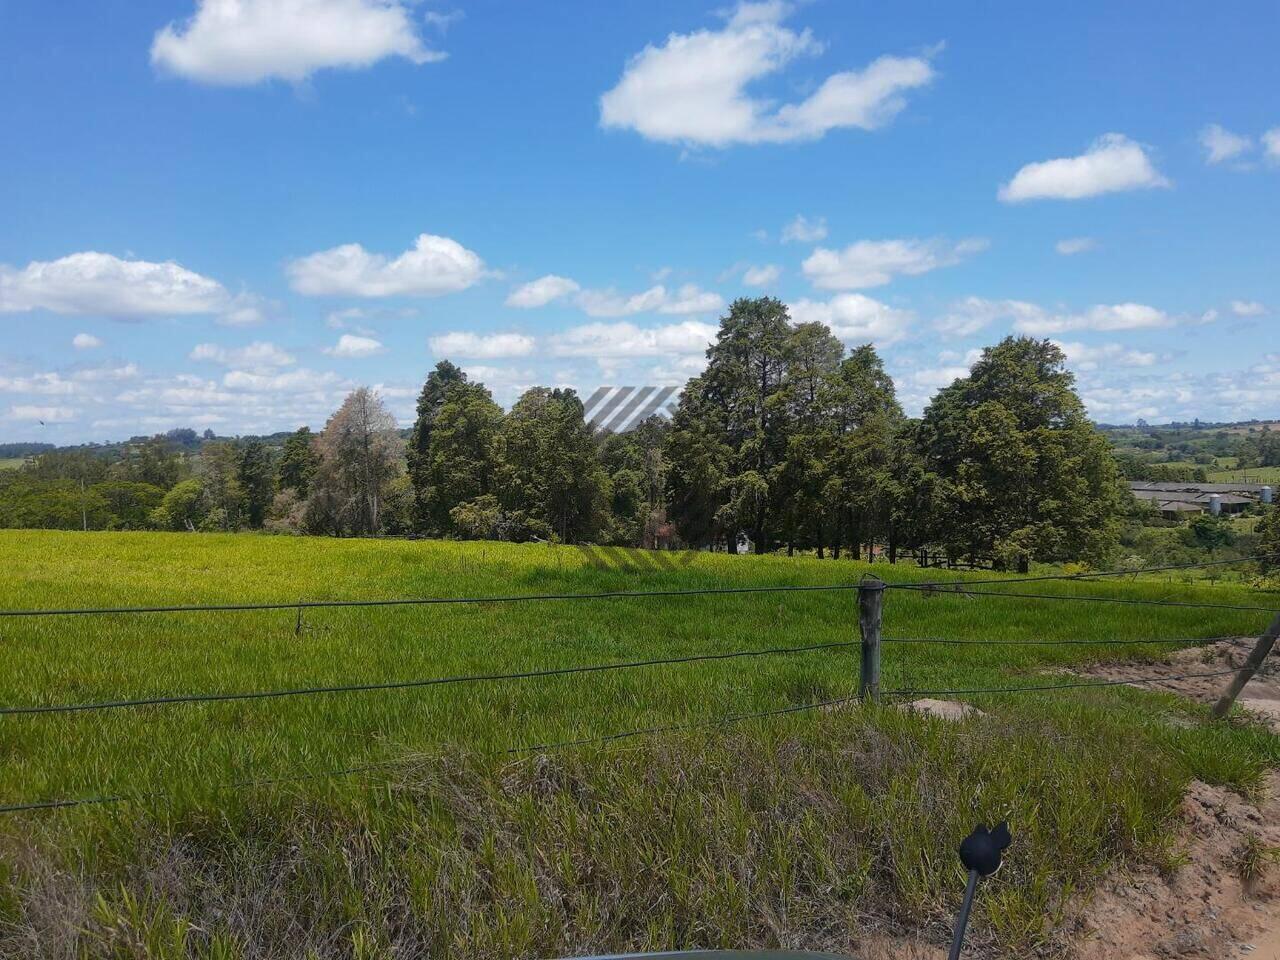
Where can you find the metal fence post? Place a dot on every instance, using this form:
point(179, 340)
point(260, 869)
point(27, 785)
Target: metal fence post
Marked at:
point(870, 603)
point(1246, 672)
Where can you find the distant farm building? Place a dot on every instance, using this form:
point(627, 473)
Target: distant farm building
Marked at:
point(1176, 500)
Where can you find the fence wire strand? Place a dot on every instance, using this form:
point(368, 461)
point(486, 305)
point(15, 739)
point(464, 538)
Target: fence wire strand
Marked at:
point(411, 684)
point(1094, 575)
point(340, 772)
point(1053, 643)
point(1067, 685)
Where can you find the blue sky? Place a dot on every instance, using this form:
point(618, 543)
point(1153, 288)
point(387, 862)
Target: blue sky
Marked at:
point(227, 213)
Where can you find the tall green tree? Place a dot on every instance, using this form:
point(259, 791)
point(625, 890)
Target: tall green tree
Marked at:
point(739, 399)
point(1026, 476)
point(863, 417)
point(255, 473)
point(298, 462)
point(551, 484)
point(462, 456)
point(418, 453)
point(813, 360)
point(359, 457)
point(223, 494)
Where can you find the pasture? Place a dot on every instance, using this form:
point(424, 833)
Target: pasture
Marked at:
point(449, 833)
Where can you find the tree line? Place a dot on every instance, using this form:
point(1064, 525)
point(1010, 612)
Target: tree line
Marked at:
point(786, 441)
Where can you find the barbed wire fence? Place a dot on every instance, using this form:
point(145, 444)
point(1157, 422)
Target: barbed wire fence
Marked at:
point(870, 592)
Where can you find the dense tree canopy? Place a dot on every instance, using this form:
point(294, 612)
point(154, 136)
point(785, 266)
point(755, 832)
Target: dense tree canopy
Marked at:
point(787, 440)
point(1024, 473)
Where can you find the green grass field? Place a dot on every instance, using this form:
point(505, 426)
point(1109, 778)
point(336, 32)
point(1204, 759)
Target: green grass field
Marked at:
point(797, 830)
point(1251, 475)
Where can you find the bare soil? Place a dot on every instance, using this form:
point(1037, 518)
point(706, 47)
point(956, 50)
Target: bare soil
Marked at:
point(1208, 907)
point(1260, 697)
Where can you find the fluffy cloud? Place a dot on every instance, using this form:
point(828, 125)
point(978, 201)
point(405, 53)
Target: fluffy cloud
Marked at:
point(1083, 356)
point(873, 263)
point(1113, 163)
point(804, 230)
point(257, 355)
point(435, 266)
point(241, 42)
point(693, 89)
point(85, 341)
point(689, 298)
point(540, 292)
point(1104, 317)
point(352, 347)
point(245, 310)
point(1248, 308)
point(30, 413)
point(604, 340)
point(102, 284)
point(761, 276)
point(1073, 245)
point(855, 318)
point(1271, 143)
point(1220, 144)
point(482, 347)
point(966, 317)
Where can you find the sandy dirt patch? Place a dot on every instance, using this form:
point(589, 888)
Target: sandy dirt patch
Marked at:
point(1205, 908)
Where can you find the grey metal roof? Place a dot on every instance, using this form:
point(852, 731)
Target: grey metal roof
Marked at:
point(1167, 487)
point(1200, 498)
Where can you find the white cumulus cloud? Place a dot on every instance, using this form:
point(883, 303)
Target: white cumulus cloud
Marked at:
point(1271, 143)
point(873, 263)
point(855, 318)
point(1083, 356)
point(28, 413)
point(103, 284)
point(688, 298)
point(242, 42)
point(804, 230)
point(482, 346)
point(1112, 163)
point(694, 88)
point(435, 266)
point(258, 355)
point(1073, 245)
point(1248, 308)
point(353, 347)
point(761, 276)
point(1119, 316)
point(85, 341)
point(603, 340)
point(966, 317)
point(540, 292)
point(1221, 144)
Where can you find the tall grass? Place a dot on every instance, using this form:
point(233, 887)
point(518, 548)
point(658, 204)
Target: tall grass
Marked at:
point(796, 830)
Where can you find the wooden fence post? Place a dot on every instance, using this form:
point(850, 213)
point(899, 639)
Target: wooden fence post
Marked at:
point(1245, 673)
point(870, 603)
